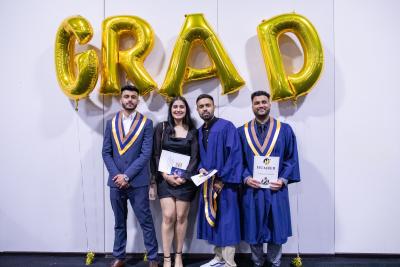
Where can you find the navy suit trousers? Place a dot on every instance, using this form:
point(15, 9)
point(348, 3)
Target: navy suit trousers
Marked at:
point(139, 199)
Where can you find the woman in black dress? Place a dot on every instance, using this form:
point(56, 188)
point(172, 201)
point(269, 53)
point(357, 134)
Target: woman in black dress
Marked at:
point(176, 190)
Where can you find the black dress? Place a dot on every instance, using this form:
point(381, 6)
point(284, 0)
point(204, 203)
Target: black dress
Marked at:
point(187, 146)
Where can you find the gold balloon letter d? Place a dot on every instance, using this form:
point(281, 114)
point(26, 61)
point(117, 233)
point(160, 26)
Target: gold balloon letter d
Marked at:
point(285, 87)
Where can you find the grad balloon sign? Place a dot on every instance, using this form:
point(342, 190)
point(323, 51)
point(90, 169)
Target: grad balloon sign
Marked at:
point(78, 74)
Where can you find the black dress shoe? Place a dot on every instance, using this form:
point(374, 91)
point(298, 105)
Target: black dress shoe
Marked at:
point(117, 263)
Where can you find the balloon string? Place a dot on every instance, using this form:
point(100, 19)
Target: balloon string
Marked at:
point(297, 204)
point(82, 183)
point(295, 103)
point(297, 224)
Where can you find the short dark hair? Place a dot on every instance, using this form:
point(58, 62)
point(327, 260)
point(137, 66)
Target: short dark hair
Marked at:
point(259, 93)
point(204, 96)
point(131, 88)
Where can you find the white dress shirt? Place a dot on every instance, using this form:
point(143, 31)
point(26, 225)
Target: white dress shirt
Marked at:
point(127, 121)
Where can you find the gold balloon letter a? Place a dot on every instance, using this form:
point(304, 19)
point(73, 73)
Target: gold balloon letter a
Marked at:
point(285, 87)
point(196, 29)
point(76, 84)
point(131, 60)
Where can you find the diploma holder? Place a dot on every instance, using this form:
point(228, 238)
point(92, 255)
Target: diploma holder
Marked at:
point(201, 178)
point(265, 170)
point(173, 163)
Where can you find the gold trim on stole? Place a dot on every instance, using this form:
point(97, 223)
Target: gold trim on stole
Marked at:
point(266, 140)
point(133, 126)
point(275, 138)
point(210, 198)
point(139, 130)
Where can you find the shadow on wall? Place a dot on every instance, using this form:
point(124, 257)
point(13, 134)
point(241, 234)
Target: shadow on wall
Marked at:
point(320, 102)
point(255, 65)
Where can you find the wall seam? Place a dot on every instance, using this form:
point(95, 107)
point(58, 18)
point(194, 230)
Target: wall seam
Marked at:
point(220, 86)
point(334, 129)
point(104, 189)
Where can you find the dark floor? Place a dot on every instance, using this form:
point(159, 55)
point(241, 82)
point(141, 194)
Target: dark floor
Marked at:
point(192, 260)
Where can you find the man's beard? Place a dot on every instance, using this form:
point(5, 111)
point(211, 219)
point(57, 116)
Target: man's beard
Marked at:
point(130, 108)
point(262, 116)
point(206, 117)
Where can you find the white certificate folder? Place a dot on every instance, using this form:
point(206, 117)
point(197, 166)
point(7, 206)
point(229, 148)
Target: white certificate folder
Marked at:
point(200, 178)
point(170, 160)
point(265, 170)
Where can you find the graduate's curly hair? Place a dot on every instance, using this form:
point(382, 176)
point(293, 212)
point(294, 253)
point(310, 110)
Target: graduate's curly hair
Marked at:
point(187, 120)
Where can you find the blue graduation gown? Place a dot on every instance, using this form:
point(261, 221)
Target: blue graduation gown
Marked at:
point(224, 154)
point(266, 213)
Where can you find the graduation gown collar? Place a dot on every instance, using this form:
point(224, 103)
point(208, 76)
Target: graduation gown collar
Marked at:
point(267, 145)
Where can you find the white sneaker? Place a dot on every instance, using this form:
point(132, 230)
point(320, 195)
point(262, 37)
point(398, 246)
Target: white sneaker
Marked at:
point(214, 263)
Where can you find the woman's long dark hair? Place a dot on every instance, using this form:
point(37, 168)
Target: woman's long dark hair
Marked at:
point(187, 120)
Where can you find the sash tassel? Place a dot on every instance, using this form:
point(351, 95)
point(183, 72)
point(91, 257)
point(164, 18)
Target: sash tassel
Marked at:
point(210, 202)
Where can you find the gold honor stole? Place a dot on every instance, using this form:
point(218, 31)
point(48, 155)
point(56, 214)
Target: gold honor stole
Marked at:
point(125, 141)
point(268, 145)
point(210, 201)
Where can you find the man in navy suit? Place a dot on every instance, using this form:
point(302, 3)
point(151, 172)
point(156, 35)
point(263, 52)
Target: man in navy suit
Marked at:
point(127, 148)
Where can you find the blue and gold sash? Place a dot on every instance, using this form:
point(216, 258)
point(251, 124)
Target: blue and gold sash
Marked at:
point(125, 141)
point(269, 143)
point(210, 201)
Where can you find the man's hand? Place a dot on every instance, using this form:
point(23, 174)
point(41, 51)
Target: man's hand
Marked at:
point(253, 182)
point(120, 181)
point(203, 171)
point(218, 185)
point(275, 186)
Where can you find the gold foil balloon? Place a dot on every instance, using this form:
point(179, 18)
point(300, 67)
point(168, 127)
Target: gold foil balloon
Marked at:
point(131, 60)
point(77, 75)
point(283, 86)
point(196, 30)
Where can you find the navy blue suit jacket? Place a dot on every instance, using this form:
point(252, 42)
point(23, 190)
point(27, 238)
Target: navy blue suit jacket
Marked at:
point(134, 162)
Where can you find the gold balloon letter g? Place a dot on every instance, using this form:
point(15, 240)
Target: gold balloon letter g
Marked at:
point(76, 84)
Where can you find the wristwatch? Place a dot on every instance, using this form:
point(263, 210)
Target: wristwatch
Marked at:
point(126, 178)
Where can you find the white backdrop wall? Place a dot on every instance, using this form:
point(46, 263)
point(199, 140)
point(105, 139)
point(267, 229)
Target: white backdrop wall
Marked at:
point(53, 194)
point(367, 129)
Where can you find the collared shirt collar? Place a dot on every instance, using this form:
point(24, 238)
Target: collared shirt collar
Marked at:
point(259, 123)
point(127, 121)
point(130, 117)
